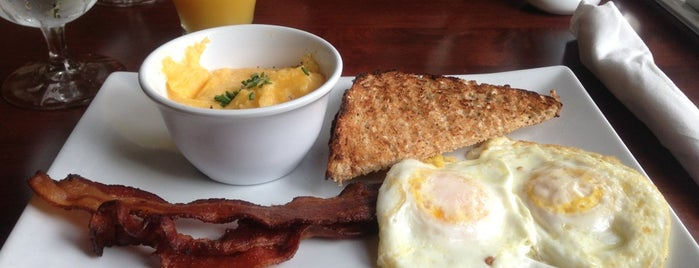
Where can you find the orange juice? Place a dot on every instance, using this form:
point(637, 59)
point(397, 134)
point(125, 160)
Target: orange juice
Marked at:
point(201, 14)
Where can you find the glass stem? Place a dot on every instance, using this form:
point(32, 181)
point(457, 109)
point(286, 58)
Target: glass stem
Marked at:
point(60, 66)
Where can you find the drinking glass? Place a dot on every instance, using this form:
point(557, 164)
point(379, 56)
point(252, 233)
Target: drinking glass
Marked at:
point(197, 15)
point(60, 81)
point(125, 3)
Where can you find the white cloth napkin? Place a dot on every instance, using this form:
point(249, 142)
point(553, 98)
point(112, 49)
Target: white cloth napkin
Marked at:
point(612, 50)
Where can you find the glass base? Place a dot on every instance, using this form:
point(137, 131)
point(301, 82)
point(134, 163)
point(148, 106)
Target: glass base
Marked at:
point(34, 86)
point(125, 3)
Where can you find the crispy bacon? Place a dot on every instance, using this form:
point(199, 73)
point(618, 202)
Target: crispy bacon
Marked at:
point(265, 235)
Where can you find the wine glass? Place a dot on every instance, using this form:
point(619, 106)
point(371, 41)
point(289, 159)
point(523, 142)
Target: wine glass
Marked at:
point(61, 81)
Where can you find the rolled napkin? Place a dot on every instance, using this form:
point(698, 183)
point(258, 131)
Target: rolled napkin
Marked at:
point(612, 50)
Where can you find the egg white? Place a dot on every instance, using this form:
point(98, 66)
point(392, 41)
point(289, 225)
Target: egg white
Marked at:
point(461, 215)
point(590, 210)
point(521, 204)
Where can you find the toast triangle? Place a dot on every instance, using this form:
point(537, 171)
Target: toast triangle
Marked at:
point(389, 116)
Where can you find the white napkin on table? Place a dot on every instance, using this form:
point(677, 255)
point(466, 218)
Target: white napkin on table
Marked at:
point(612, 50)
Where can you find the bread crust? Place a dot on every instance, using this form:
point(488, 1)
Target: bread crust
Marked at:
point(389, 116)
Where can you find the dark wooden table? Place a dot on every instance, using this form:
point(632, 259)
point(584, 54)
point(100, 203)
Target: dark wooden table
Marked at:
point(439, 37)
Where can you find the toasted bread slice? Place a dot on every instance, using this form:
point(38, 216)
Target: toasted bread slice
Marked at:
point(386, 117)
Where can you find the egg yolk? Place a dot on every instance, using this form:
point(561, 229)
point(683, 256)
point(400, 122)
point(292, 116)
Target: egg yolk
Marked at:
point(450, 198)
point(564, 190)
point(440, 161)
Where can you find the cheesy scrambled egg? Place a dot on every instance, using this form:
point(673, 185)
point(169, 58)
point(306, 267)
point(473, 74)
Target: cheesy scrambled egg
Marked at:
point(191, 84)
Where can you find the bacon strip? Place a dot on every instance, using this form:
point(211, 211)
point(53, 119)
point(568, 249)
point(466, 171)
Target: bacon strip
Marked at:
point(265, 235)
point(356, 203)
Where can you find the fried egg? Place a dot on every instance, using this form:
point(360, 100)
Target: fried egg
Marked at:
point(589, 210)
point(521, 204)
point(459, 215)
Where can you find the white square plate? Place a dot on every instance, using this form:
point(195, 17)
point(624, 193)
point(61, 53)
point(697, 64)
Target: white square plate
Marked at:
point(121, 139)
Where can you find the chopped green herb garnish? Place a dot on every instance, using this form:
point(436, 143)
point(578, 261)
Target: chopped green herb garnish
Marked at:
point(255, 80)
point(226, 97)
point(305, 71)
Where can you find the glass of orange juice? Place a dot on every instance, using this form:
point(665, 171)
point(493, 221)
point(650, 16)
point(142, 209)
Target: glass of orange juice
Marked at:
point(197, 15)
